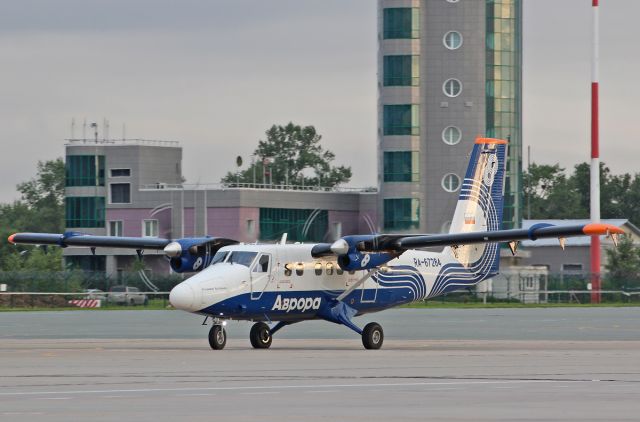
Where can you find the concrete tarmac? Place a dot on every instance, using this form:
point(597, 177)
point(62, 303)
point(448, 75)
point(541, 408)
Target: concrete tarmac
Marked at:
point(470, 375)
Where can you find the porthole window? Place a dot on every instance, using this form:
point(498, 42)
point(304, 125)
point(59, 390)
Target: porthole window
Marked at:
point(450, 182)
point(451, 135)
point(452, 40)
point(288, 269)
point(299, 268)
point(452, 87)
point(318, 268)
point(339, 270)
point(329, 268)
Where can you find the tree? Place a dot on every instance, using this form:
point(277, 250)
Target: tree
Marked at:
point(41, 209)
point(550, 194)
point(286, 154)
point(44, 196)
point(623, 264)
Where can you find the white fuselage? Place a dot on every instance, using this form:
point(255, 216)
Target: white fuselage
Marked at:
point(283, 282)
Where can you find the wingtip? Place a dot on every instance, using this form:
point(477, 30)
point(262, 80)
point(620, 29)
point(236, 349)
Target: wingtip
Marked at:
point(597, 229)
point(10, 239)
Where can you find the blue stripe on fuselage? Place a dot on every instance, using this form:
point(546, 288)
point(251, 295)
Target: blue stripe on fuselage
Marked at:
point(242, 307)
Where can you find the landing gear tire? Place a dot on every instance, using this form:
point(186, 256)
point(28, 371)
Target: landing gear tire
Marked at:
point(372, 336)
point(260, 336)
point(217, 337)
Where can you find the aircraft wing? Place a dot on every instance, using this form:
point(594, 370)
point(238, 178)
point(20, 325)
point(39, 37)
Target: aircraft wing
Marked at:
point(87, 240)
point(399, 243)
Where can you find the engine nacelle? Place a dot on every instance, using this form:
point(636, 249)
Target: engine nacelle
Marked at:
point(351, 259)
point(194, 254)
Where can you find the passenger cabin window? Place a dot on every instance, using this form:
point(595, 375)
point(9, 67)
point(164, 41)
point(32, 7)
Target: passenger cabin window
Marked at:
point(242, 258)
point(263, 264)
point(339, 270)
point(218, 258)
point(299, 268)
point(329, 268)
point(288, 269)
point(318, 268)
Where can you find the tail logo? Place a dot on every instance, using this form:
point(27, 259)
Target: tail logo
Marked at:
point(490, 170)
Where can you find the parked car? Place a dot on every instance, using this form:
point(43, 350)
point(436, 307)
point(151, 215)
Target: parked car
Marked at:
point(95, 294)
point(125, 295)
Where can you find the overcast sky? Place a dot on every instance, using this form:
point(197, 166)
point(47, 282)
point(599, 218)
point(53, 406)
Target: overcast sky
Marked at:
point(215, 75)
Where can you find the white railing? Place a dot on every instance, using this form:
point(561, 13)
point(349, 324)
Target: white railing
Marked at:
point(133, 141)
point(234, 185)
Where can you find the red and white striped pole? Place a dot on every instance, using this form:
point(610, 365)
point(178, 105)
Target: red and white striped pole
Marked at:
point(595, 159)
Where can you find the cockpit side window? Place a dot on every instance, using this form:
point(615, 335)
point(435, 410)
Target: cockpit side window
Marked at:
point(262, 266)
point(242, 257)
point(219, 257)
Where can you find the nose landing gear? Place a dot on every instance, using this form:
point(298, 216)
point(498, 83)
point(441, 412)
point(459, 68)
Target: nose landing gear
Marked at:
point(217, 336)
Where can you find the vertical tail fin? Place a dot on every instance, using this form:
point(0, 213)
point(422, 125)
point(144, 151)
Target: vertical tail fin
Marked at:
point(479, 206)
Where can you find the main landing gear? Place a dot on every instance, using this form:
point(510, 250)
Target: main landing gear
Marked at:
point(260, 336)
point(372, 336)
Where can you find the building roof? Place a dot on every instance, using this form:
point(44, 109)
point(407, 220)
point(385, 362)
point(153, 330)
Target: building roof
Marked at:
point(574, 241)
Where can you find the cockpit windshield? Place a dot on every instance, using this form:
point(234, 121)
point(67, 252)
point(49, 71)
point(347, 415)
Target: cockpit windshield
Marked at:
point(219, 257)
point(242, 257)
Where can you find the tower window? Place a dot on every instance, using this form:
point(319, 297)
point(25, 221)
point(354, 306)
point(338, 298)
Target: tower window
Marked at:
point(450, 182)
point(452, 40)
point(452, 87)
point(451, 135)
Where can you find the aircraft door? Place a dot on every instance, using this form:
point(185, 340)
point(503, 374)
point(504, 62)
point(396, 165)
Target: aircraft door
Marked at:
point(369, 291)
point(261, 275)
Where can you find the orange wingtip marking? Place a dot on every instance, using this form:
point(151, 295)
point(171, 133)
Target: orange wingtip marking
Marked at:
point(599, 228)
point(11, 238)
point(480, 140)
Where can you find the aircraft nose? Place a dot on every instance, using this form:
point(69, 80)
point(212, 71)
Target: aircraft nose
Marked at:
point(182, 297)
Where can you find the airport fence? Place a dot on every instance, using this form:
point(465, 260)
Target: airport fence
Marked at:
point(35, 289)
point(541, 287)
point(76, 288)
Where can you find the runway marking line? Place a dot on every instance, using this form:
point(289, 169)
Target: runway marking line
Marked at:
point(271, 387)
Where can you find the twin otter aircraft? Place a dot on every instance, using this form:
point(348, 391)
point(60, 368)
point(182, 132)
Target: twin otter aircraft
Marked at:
point(280, 284)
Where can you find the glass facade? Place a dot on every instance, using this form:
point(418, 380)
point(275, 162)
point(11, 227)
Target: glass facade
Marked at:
point(80, 170)
point(503, 96)
point(401, 22)
point(401, 119)
point(84, 211)
point(401, 214)
point(300, 225)
point(401, 166)
point(401, 71)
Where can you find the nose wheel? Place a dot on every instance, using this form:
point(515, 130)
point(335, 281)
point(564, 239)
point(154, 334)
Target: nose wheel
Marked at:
point(260, 336)
point(217, 337)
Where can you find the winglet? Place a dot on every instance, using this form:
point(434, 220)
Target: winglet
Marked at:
point(595, 229)
point(481, 140)
point(10, 239)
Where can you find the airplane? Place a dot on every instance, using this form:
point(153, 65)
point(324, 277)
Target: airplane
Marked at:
point(275, 285)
